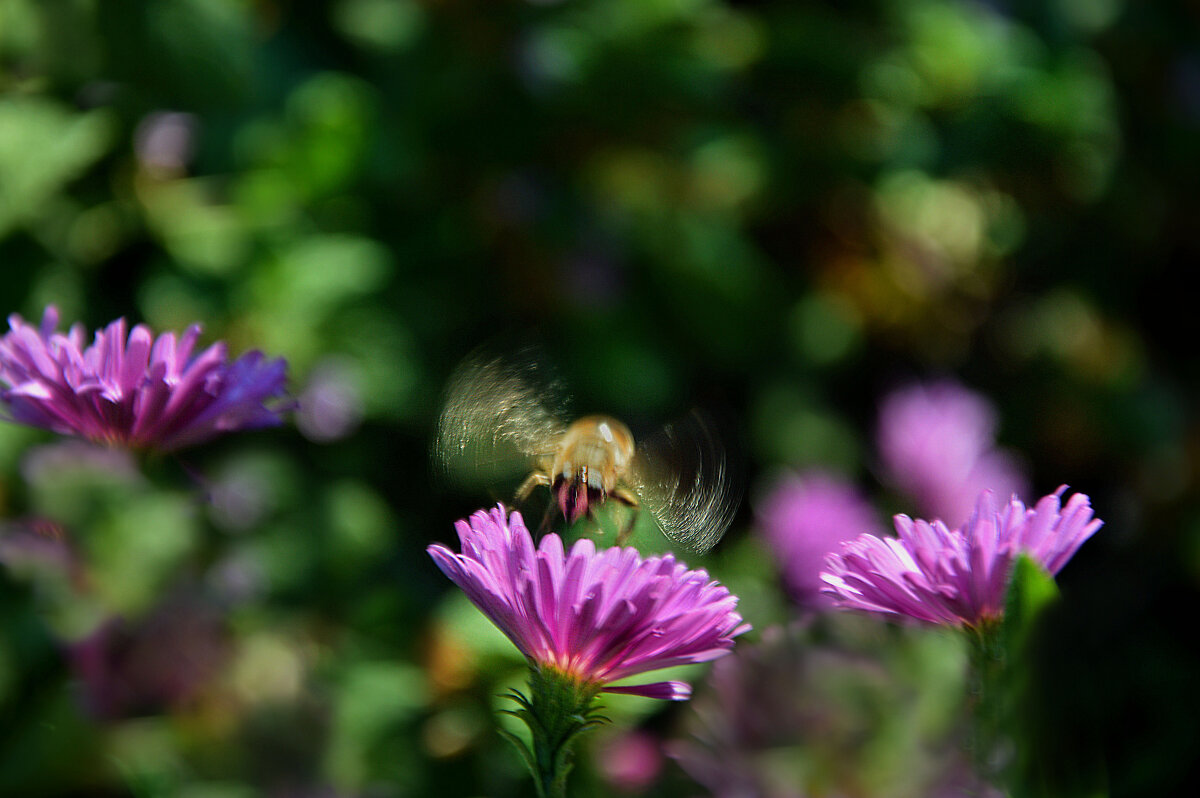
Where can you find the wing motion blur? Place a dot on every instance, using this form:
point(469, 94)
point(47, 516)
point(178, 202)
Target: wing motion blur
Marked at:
point(684, 478)
point(500, 414)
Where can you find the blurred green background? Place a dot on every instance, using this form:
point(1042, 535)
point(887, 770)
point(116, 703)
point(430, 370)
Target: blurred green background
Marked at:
point(776, 209)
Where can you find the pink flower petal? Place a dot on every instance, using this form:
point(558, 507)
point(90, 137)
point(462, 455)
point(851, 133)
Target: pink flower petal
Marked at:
point(599, 615)
point(938, 575)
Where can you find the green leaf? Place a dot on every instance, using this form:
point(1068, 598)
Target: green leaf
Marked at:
point(1030, 591)
point(999, 672)
point(525, 753)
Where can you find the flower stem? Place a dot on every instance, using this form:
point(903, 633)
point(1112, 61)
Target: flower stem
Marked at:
point(558, 709)
point(987, 701)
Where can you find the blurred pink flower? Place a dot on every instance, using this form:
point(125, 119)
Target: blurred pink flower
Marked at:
point(596, 616)
point(631, 762)
point(957, 576)
point(52, 461)
point(331, 406)
point(165, 140)
point(803, 518)
point(40, 549)
point(937, 444)
point(850, 702)
point(163, 661)
point(140, 392)
point(753, 707)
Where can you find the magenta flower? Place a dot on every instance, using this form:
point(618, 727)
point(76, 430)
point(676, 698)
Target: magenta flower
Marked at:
point(804, 517)
point(957, 576)
point(631, 762)
point(140, 392)
point(937, 444)
point(594, 616)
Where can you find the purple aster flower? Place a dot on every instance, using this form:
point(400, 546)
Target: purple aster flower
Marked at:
point(937, 444)
point(593, 616)
point(804, 517)
point(957, 576)
point(136, 391)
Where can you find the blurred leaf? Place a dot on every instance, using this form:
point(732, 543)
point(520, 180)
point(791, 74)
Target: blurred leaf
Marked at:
point(360, 527)
point(313, 150)
point(824, 328)
point(473, 629)
point(285, 552)
point(727, 172)
point(790, 427)
point(145, 754)
point(136, 551)
point(332, 113)
point(202, 234)
point(955, 47)
point(52, 732)
point(298, 289)
point(18, 32)
point(1030, 592)
point(383, 351)
point(15, 440)
point(386, 25)
point(373, 698)
point(76, 482)
point(43, 146)
point(316, 273)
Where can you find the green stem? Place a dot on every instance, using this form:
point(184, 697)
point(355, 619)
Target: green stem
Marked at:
point(558, 709)
point(986, 700)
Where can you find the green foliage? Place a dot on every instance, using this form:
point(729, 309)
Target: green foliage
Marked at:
point(43, 146)
point(1031, 591)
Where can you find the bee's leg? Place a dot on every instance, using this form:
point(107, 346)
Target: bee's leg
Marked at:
point(547, 517)
point(627, 498)
point(531, 482)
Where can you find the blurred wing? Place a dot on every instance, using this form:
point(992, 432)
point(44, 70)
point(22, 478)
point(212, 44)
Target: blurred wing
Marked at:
point(684, 478)
point(501, 414)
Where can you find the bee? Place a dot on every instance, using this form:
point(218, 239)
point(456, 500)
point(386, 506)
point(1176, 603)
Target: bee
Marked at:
point(504, 416)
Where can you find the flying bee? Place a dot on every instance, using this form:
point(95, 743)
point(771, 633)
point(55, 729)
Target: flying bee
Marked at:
point(505, 416)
